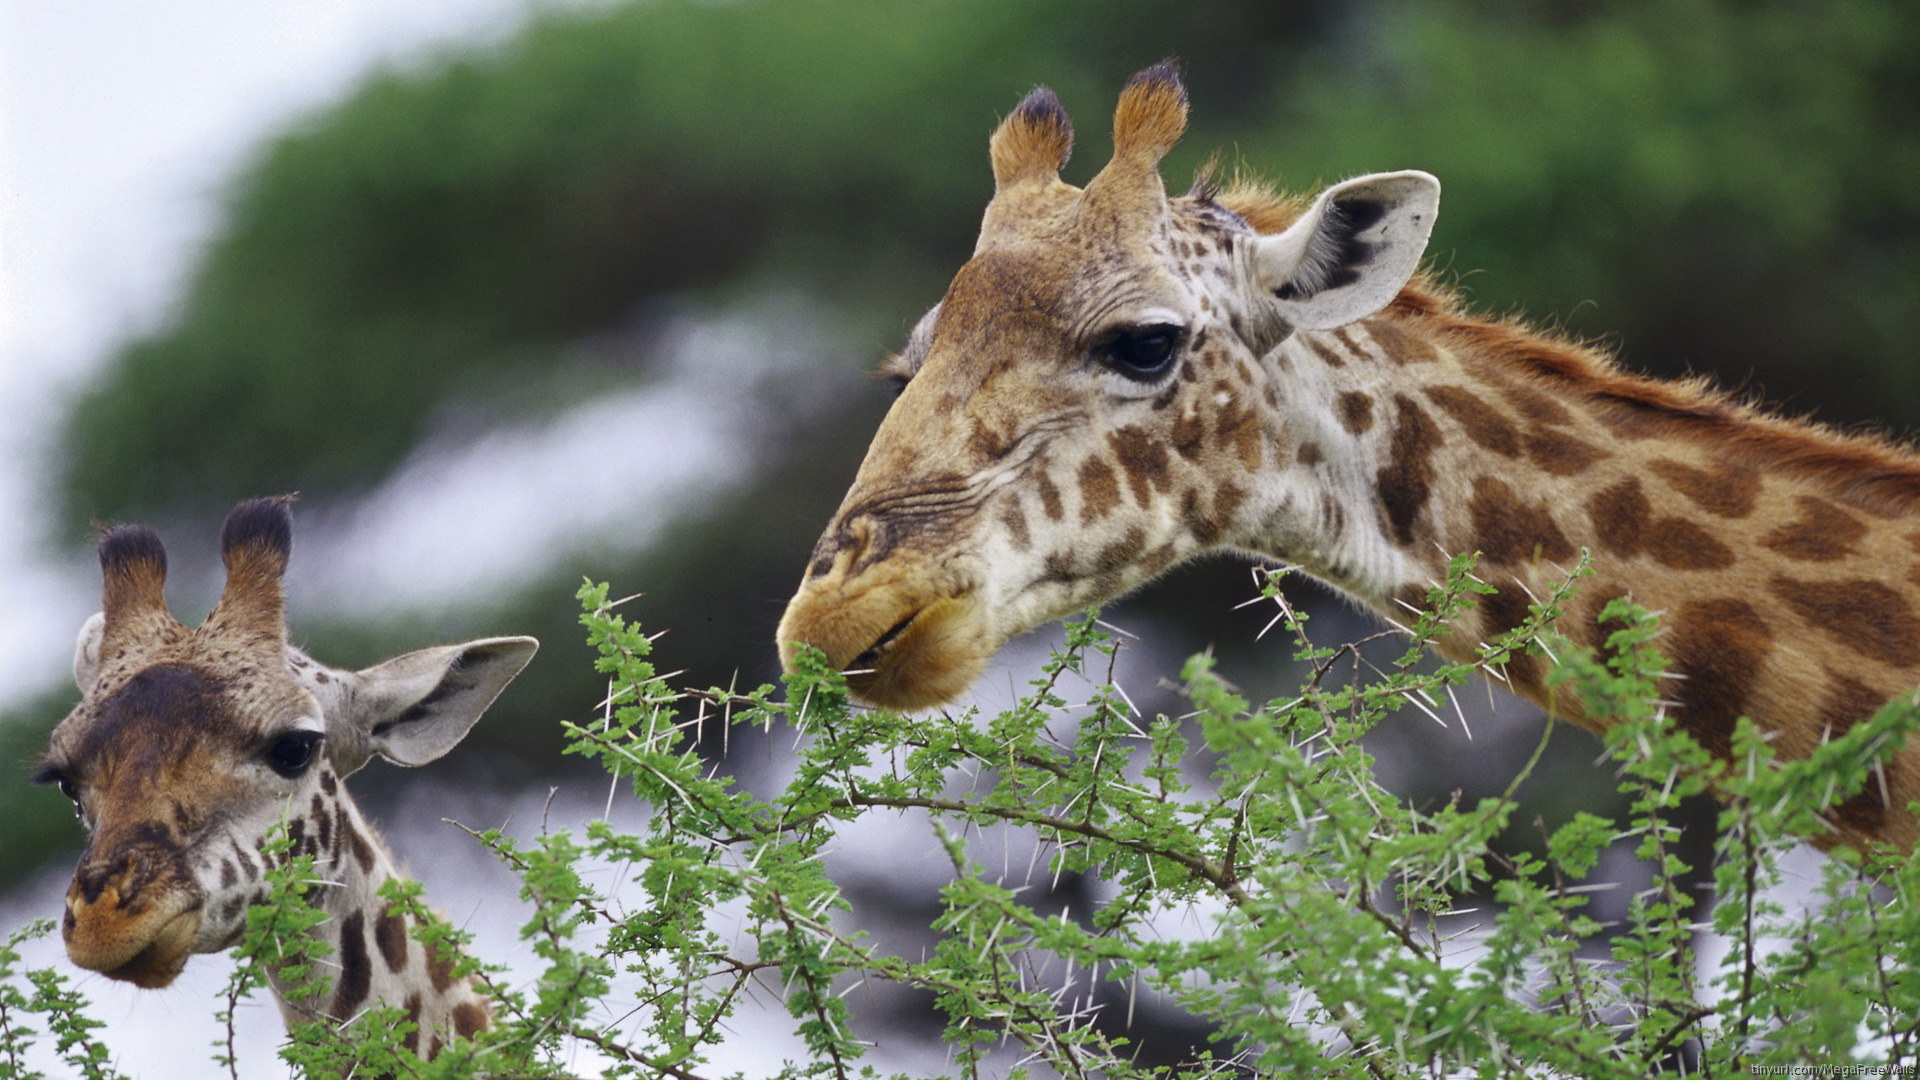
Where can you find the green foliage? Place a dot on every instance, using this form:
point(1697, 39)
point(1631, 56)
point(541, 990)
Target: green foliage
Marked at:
point(1323, 935)
point(60, 1007)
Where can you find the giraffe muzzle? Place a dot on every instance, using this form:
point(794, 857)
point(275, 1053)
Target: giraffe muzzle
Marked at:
point(144, 943)
point(898, 650)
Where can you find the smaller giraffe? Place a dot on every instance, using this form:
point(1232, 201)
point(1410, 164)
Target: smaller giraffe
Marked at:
point(189, 746)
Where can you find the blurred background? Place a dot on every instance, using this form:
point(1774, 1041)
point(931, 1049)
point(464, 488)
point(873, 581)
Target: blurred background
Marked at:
point(519, 293)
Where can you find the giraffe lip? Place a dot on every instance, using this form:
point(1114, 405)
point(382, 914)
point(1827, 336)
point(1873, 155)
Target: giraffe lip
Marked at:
point(872, 653)
point(164, 956)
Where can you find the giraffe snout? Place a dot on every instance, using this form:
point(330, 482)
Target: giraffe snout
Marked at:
point(128, 923)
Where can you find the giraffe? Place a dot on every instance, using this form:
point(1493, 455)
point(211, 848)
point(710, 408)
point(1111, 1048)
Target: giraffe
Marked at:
point(189, 745)
point(1118, 381)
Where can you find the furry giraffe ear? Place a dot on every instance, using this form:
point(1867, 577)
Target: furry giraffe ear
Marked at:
point(419, 705)
point(1353, 250)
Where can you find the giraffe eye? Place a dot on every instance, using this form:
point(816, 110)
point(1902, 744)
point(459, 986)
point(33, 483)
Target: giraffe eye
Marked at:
point(1141, 353)
point(60, 780)
point(290, 755)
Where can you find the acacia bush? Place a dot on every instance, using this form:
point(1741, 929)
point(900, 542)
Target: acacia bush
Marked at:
point(1320, 929)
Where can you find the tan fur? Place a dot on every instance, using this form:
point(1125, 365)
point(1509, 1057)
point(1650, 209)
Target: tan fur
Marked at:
point(1023, 473)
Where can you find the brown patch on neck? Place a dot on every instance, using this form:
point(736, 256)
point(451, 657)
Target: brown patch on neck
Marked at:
point(1728, 493)
point(1406, 481)
point(1822, 533)
point(1864, 616)
point(1511, 533)
point(1721, 646)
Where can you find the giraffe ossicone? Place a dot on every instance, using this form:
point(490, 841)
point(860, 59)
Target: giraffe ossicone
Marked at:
point(190, 745)
point(1118, 381)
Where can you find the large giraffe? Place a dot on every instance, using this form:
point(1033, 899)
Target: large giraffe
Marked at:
point(1118, 381)
point(190, 745)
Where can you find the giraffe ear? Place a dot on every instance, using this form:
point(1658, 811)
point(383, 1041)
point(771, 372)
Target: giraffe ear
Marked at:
point(1352, 251)
point(86, 650)
point(417, 706)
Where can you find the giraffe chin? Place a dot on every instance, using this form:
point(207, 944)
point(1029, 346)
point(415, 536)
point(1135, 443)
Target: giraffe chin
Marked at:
point(151, 965)
point(899, 651)
point(926, 660)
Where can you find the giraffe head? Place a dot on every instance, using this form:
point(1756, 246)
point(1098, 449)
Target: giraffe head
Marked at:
point(189, 745)
point(1087, 406)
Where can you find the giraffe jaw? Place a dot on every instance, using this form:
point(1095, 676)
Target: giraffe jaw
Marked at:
point(898, 651)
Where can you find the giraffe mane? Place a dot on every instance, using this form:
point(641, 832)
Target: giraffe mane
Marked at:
point(1863, 467)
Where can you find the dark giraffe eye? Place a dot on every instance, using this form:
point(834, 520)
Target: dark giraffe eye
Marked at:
point(290, 755)
point(67, 787)
point(1141, 353)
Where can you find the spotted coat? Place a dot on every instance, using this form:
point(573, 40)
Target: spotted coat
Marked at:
point(1118, 381)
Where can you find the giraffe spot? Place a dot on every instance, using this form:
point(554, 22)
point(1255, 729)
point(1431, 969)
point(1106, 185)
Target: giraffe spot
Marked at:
point(1310, 454)
point(390, 935)
point(1050, 504)
point(1119, 554)
point(1406, 481)
point(1560, 454)
point(439, 968)
point(356, 970)
point(1481, 422)
point(1226, 502)
point(327, 783)
point(1143, 461)
point(1619, 515)
point(1861, 615)
point(1729, 493)
point(1500, 613)
point(1158, 559)
point(1721, 647)
point(1510, 533)
point(1531, 404)
point(1237, 432)
point(1683, 545)
point(362, 851)
point(1099, 490)
point(1188, 434)
point(1344, 336)
point(1323, 351)
point(1822, 533)
point(1849, 701)
point(1624, 525)
point(229, 875)
point(1015, 520)
point(469, 1019)
point(1356, 412)
point(1166, 397)
point(1401, 347)
point(323, 823)
point(413, 1017)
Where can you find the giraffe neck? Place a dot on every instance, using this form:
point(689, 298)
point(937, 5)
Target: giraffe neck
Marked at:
point(1783, 559)
point(374, 959)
